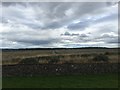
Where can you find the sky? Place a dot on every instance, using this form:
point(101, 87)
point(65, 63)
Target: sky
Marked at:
point(58, 24)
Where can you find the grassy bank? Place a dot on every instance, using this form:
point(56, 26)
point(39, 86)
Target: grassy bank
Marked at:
point(72, 81)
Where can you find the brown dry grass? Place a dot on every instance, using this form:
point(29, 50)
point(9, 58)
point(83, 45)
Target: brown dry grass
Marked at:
point(64, 56)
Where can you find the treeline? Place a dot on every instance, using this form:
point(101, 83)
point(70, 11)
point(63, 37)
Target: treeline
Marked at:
point(20, 49)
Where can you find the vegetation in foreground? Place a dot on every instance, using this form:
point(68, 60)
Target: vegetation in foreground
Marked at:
point(71, 81)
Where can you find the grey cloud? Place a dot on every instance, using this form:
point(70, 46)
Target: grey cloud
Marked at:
point(52, 25)
point(26, 17)
point(111, 3)
point(88, 22)
point(80, 25)
point(113, 41)
point(73, 45)
point(28, 41)
point(106, 38)
point(70, 34)
point(67, 33)
point(107, 18)
point(89, 7)
point(33, 25)
point(39, 42)
point(54, 11)
point(14, 3)
point(75, 34)
point(84, 35)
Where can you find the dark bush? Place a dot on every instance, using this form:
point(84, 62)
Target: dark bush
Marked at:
point(68, 62)
point(85, 55)
point(29, 61)
point(107, 53)
point(53, 61)
point(101, 57)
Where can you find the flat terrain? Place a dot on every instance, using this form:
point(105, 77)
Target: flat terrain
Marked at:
point(70, 81)
point(63, 55)
point(60, 56)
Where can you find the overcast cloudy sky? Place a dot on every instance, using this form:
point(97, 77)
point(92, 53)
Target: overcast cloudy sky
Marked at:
point(58, 24)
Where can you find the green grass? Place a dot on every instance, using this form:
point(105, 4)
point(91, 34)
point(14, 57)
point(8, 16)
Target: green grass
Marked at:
point(68, 81)
point(0, 82)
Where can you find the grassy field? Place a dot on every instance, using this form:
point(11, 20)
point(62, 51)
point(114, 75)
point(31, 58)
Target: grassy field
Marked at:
point(62, 56)
point(68, 55)
point(71, 81)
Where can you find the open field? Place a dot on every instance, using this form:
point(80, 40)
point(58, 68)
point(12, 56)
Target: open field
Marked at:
point(70, 81)
point(61, 55)
point(72, 63)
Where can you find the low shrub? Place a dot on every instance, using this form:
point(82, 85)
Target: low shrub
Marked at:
point(107, 53)
point(101, 57)
point(29, 61)
point(85, 55)
point(53, 61)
